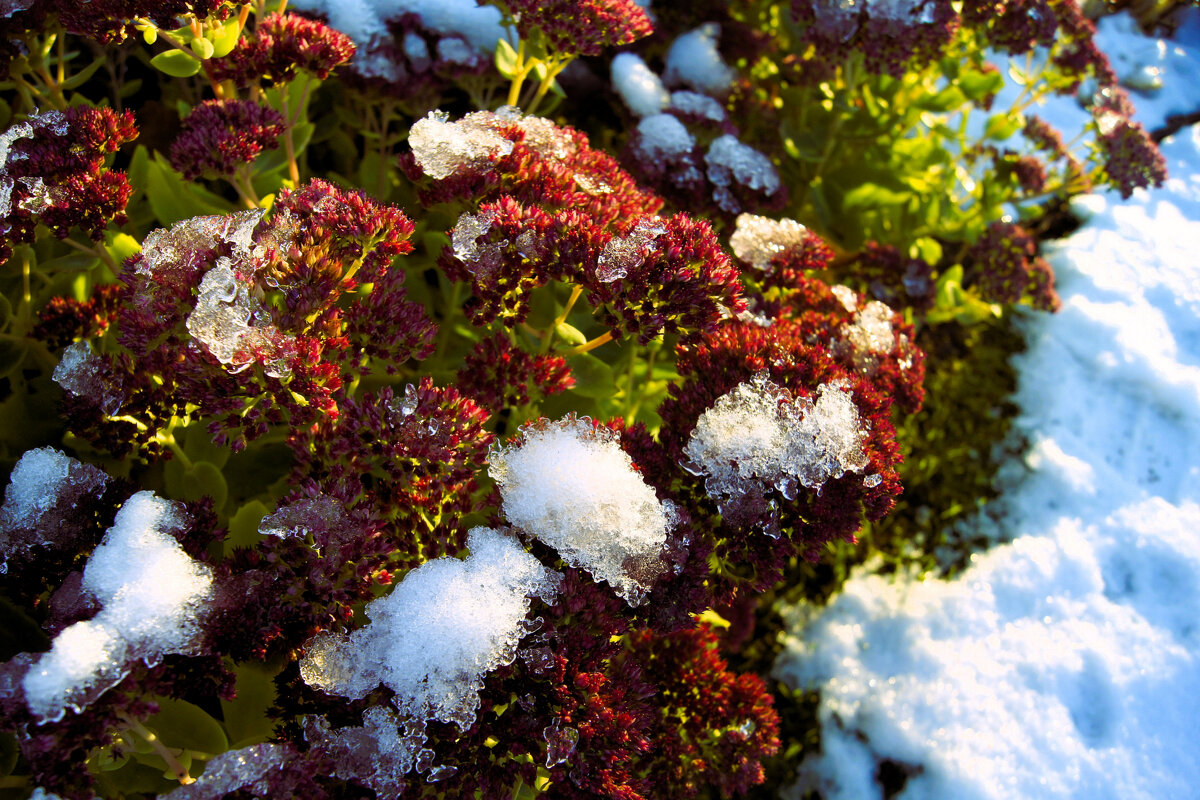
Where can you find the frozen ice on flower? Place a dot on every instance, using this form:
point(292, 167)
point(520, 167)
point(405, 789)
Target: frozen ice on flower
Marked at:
point(639, 87)
point(663, 136)
point(759, 436)
point(305, 517)
point(151, 595)
point(480, 258)
point(560, 742)
point(246, 768)
point(45, 485)
point(696, 104)
point(729, 161)
point(165, 249)
point(846, 296)
point(695, 61)
point(234, 327)
point(756, 240)
point(378, 754)
point(444, 148)
point(81, 373)
point(440, 631)
point(869, 335)
point(623, 253)
point(572, 486)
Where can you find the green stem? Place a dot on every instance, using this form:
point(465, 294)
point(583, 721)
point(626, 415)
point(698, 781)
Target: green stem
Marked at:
point(548, 336)
point(181, 774)
point(603, 338)
point(554, 67)
point(514, 91)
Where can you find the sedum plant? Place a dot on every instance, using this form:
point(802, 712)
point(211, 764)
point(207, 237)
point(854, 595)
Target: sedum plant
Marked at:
point(380, 424)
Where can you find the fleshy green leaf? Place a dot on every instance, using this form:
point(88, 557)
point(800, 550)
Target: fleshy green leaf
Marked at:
point(176, 63)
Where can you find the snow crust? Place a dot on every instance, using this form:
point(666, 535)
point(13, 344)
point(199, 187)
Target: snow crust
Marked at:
point(640, 88)
point(152, 595)
point(571, 486)
point(246, 768)
point(1064, 663)
point(756, 240)
point(759, 436)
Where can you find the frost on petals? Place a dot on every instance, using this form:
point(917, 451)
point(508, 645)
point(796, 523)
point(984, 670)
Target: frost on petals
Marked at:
point(571, 486)
point(759, 436)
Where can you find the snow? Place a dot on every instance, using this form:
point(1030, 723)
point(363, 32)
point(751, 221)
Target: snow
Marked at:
point(1062, 664)
point(758, 436)
point(573, 487)
point(439, 632)
point(729, 161)
point(443, 148)
point(663, 136)
point(365, 21)
point(152, 594)
point(700, 105)
point(694, 60)
point(640, 89)
point(44, 487)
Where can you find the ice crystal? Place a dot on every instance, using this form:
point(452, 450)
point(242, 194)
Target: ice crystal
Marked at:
point(234, 327)
point(245, 768)
point(443, 148)
point(377, 754)
point(481, 259)
point(572, 486)
point(623, 253)
point(81, 373)
point(760, 436)
point(756, 240)
point(560, 742)
point(869, 335)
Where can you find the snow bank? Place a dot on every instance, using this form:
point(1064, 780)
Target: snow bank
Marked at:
point(1063, 664)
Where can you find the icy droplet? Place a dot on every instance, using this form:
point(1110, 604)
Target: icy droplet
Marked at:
point(560, 742)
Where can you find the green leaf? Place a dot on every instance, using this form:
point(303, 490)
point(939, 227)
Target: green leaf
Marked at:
point(1001, 126)
point(243, 527)
point(81, 77)
point(204, 480)
point(978, 85)
point(199, 445)
point(873, 195)
point(176, 63)
point(246, 718)
point(949, 98)
point(225, 38)
point(182, 725)
point(172, 198)
point(930, 250)
point(203, 49)
point(506, 59)
point(593, 378)
point(570, 334)
point(121, 246)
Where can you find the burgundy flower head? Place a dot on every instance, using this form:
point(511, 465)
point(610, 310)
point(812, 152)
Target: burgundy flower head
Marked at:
point(281, 46)
point(1005, 266)
point(498, 374)
point(583, 27)
point(219, 136)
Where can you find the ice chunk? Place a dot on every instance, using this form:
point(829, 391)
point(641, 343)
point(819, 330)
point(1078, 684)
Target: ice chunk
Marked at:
point(870, 335)
point(698, 105)
point(560, 742)
point(439, 632)
point(377, 754)
point(756, 240)
point(311, 516)
point(246, 768)
point(694, 60)
point(234, 327)
point(760, 436)
point(443, 148)
point(481, 259)
point(623, 253)
point(846, 296)
point(730, 161)
point(152, 595)
point(663, 136)
point(573, 487)
point(81, 372)
point(640, 89)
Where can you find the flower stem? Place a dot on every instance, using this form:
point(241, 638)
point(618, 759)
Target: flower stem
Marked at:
point(603, 338)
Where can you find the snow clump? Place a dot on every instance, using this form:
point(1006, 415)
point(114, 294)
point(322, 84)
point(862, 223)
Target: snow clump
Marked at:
point(640, 89)
point(571, 486)
point(443, 148)
point(81, 372)
point(44, 487)
point(758, 436)
point(699, 105)
point(756, 240)
point(695, 61)
point(152, 595)
point(439, 632)
point(623, 253)
point(729, 161)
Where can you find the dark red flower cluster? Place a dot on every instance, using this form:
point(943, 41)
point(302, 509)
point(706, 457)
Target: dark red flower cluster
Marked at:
point(894, 278)
point(281, 46)
point(1131, 159)
point(108, 20)
point(223, 312)
point(581, 27)
point(410, 459)
point(1014, 26)
point(664, 275)
point(732, 355)
point(497, 374)
point(890, 41)
point(64, 319)
point(219, 136)
point(1005, 266)
point(547, 165)
point(52, 172)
